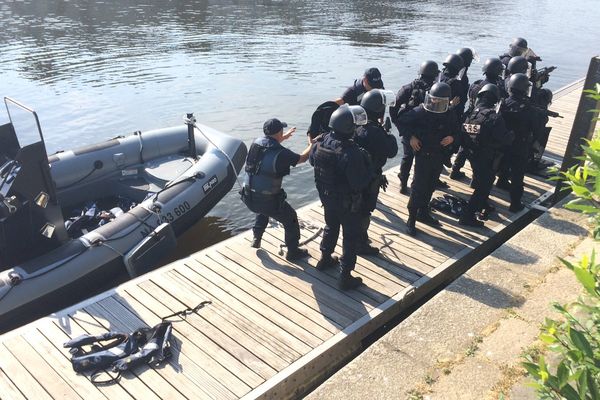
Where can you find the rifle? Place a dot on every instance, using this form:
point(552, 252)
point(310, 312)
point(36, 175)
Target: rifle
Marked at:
point(542, 75)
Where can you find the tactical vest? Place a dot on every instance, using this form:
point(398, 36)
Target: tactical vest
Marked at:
point(477, 127)
point(328, 177)
point(261, 174)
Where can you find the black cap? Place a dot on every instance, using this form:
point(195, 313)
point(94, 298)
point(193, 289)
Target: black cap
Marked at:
point(273, 126)
point(374, 78)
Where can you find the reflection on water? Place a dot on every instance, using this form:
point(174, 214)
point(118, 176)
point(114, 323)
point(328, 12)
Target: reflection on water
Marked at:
point(96, 69)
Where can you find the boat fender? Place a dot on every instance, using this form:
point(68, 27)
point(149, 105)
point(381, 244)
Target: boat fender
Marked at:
point(101, 355)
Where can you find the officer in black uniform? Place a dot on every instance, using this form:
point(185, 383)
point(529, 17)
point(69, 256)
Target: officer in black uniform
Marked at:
point(409, 97)
point(266, 165)
point(525, 121)
point(519, 47)
point(467, 56)
point(432, 126)
point(370, 80)
point(452, 66)
point(484, 133)
point(516, 65)
point(342, 172)
point(542, 100)
point(492, 70)
point(380, 145)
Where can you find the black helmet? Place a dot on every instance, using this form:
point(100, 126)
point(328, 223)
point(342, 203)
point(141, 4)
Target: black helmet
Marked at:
point(518, 47)
point(490, 90)
point(454, 62)
point(375, 101)
point(519, 84)
point(437, 98)
point(346, 118)
point(467, 55)
point(429, 69)
point(493, 67)
point(517, 65)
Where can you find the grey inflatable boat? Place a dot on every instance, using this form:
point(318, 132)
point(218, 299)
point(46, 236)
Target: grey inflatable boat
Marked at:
point(128, 199)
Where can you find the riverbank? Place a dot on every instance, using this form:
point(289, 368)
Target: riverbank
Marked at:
point(467, 341)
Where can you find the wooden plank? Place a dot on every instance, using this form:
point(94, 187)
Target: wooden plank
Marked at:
point(253, 337)
point(192, 382)
point(284, 333)
point(38, 367)
point(8, 389)
point(61, 366)
point(293, 287)
point(228, 268)
point(152, 310)
point(20, 376)
point(268, 306)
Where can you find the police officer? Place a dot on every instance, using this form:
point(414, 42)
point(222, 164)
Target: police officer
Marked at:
point(452, 66)
point(467, 56)
point(342, 172)
point(492, 70)
point(516, 65)
point(370, 80)
point(484, 133)
point(409, 97)
point(525, 121)
point(542, 100)
point(380, 145)
point(266, 165)
point(519, 47)
point(433, 126)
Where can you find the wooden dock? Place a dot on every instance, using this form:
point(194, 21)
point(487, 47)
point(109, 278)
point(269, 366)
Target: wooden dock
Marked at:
point(274, 329)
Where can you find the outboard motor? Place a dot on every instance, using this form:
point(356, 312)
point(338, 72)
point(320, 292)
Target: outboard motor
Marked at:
point(31, 221)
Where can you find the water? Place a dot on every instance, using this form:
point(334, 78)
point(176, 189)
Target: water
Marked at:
point(97, 69)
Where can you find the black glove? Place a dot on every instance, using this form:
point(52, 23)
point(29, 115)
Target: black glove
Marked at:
point(383, 183)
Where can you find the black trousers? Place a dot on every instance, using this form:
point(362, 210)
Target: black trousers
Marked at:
point(461, 158)
point(518, 165)
point(337, 215)
point(407, 160)
point(280, 210)
point(428, 167)
point(370, 196)
point(483, 175)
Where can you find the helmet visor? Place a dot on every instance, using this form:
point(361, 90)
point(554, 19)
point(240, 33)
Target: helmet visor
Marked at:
point(436, 104)
point(388, 97)
point(476, 58)
point(359, 115)
point(529, 69)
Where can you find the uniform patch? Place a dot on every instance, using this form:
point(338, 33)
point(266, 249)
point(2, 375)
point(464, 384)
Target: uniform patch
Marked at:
point(472, 129)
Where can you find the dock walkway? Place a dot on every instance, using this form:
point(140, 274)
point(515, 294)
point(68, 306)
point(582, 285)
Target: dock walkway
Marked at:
point(273, 329)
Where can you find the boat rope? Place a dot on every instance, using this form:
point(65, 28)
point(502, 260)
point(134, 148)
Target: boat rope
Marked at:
point(184, 313)
point(305, 225)
point(187, 121)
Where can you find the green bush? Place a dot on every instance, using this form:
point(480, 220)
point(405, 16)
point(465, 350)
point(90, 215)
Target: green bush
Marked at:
point(575, 340)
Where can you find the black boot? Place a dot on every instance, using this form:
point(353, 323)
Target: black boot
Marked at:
point(411, 228)
point(516, 207)
point(256, 242)
point(503, 183)
point(470, 220)
point(347, 281)
point(440, 184)
point(425, 217)
point(327, 262)
point(404, 188)
point(457, 175)
point(296, 254)
point(367, 250)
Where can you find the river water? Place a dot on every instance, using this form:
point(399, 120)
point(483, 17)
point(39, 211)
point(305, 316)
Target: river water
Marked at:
point(97, 69)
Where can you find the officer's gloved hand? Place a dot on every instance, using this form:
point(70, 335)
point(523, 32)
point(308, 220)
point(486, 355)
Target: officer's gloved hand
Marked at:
point(383, 183)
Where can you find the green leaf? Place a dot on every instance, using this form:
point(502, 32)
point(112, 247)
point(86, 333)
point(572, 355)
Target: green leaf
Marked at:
point(562, 373)
point(532, 368)
point(582, 382)
point(586, 279)
point(547, 338)
point(581, 342)
point(569, 393)
point(593, 387)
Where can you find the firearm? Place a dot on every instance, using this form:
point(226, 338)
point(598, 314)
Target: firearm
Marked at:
point(542, 75)
point(545, 111)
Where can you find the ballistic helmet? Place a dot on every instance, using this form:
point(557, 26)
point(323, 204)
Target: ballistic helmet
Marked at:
point(518, 47)
point(437, 99)
point(429, 69)
point(490, 90)
point(519, 84)
point(517, 65)
point(493, 67)
point(376, 100)
point(344, 120)
point(467, 56)
point(454, 63)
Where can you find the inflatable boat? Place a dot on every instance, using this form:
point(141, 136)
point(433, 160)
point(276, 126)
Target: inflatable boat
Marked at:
point(82, 216)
